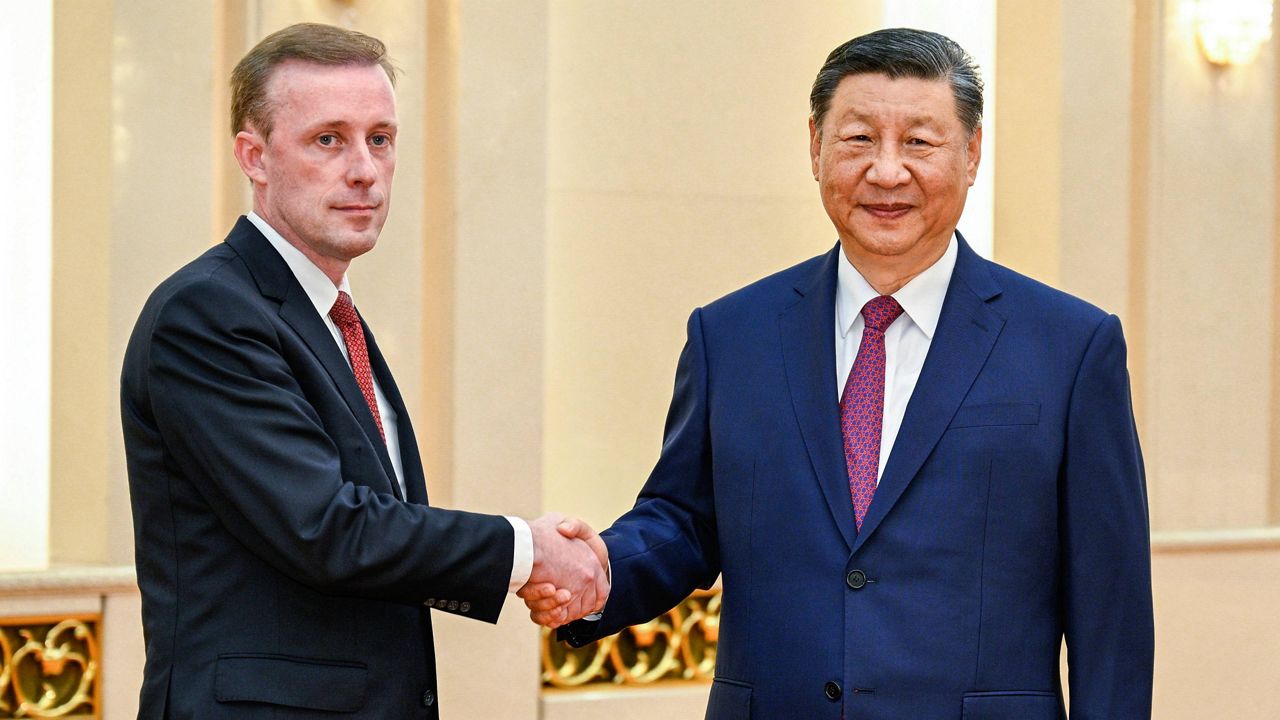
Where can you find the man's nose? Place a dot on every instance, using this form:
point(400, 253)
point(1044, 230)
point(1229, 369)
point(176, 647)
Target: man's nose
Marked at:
point(887, 169)
point(361, 170)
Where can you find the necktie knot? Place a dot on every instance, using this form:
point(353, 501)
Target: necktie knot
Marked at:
point(343, 311)
point(880, 312)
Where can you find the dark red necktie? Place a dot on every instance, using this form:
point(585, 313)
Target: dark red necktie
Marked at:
point(862, 405)
point(348, 322)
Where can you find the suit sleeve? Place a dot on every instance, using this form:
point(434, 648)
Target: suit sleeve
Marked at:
point(666, 545)
point(235, 423)
point(1105, 540)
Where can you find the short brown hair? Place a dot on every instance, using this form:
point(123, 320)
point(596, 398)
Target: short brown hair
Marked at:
point(308, 42)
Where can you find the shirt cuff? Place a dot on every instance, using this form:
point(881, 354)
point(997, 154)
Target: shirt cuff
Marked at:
point(522, 558)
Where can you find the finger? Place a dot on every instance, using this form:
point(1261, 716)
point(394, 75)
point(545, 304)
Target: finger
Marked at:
point(577, 528)
point(599, 548)
point(560, 599)
point(549, 618)
point(574, 528)
point(536, 591)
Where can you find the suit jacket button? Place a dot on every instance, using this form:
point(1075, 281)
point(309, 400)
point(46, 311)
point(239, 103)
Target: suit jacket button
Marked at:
point(832, 691)
point(856, 579)
point(430, 602)
point(428, 698)
point(465, 607)
point(453, 605)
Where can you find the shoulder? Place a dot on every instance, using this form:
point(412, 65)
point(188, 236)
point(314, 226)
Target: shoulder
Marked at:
point(213, 289)
point(1024, 298)
point(774, 293)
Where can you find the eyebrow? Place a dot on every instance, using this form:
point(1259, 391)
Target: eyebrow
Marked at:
point(381, 125)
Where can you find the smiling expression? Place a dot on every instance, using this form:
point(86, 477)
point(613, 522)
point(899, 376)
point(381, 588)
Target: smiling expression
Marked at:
point(894, 164)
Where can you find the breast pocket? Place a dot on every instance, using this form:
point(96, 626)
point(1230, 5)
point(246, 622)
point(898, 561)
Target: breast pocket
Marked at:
point(1027, 705)
point(994, 414)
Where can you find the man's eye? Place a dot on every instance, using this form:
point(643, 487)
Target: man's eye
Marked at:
point(327, 140)
point(379, 141)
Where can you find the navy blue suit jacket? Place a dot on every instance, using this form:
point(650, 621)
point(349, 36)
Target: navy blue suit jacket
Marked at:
point(1011, 513)
point(282, 574)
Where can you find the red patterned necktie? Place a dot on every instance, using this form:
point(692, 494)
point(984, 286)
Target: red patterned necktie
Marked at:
point(344, 316)
point(862, 404)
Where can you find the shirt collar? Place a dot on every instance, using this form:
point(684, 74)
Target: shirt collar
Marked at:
point(319, 288)
point(921, 298)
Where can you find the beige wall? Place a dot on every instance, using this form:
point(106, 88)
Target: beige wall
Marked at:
point(678, 171)
point(576, 176)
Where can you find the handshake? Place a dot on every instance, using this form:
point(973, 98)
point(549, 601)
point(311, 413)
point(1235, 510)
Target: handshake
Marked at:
point(570, 577)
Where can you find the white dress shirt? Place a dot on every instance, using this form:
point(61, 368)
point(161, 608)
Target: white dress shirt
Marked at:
point(323, 293)
point(906, 340)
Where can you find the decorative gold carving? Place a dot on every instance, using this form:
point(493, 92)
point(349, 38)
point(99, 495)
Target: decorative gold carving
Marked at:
point(679, 645)
point(49, 667)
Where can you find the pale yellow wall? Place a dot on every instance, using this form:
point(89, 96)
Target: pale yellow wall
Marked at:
point(1218, 640)
point(1211, 279)
point(82, 395)
point(678, 171)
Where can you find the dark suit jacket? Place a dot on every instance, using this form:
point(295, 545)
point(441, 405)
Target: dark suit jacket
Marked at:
point(282, 575)
point(1011, 512)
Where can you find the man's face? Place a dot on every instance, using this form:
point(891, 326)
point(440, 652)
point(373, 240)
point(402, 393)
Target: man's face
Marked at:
point(894, 164)
point(323, 179)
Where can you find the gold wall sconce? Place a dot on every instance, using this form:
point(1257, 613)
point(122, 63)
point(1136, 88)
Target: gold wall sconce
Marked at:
point(1231, 32)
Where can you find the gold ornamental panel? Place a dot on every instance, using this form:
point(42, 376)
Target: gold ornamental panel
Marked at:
point(49, 667)
point(679, 645)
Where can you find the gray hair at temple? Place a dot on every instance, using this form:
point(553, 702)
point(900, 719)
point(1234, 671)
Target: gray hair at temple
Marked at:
point(903, 53)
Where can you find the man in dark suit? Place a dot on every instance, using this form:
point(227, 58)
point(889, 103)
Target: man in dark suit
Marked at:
point(914, 470)
point(286, 554)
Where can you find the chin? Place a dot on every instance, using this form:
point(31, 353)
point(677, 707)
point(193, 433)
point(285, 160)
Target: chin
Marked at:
point(885, 246)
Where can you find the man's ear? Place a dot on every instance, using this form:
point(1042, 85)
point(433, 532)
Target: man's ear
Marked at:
point(973, 150)
point(248, 149)
point(815, 145)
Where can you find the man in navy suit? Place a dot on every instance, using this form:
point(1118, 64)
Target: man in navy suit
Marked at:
point(287, 557)
point(915, 471)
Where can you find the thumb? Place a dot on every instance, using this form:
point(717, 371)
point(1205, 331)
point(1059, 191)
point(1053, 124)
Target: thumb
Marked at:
point(576, 528)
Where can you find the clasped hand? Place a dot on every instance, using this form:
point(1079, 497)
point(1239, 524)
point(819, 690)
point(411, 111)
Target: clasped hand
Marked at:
point(569, 578)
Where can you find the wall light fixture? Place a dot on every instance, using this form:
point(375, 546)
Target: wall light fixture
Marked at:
point(1231, 32)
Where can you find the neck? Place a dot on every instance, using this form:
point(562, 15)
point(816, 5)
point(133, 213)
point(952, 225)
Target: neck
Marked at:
point(887, 274)
point(334, 268)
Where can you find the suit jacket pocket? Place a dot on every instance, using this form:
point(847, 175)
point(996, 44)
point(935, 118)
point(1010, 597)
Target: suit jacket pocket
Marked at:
point(730, 700)
point(989, 414)
point(1017, 705)
point(329, 685)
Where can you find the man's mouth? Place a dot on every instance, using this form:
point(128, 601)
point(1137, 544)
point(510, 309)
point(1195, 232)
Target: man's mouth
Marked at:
point(886, 211)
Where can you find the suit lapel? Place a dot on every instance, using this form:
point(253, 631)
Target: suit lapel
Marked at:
point(410, 460)
point(967, 330)
point(808, 352)
point(276, 281)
